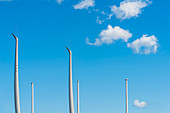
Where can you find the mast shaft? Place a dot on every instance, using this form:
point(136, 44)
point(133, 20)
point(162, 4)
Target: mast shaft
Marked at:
point(77, 96)
point(71, 103)
point(16, 81)
point(126, 95)
point(32, 98)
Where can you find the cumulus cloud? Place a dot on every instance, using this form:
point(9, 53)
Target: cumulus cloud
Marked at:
point(139, 104)
point(110, 35)
point(145, 45)
point(129, 8)
point(84, 4)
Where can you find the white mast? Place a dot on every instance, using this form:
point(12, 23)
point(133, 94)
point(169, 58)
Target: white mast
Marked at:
point(126, 95)
point(77, 96)
point(71, 103)
point(16, 81)
point(32, 97)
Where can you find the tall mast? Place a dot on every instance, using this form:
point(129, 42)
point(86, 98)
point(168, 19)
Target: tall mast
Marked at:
point(16, 81)
point(77, 96)
point(71, 103)
point(126, 95)
point(32, 97)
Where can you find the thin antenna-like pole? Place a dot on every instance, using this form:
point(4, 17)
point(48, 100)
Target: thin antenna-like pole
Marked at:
point(126, 95)
point(32, 97)
point(16, 81)
point(71, 103)
point(77, 96)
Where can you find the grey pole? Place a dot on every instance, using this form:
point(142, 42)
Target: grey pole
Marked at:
point(32, 97)
point(16, 81)
point(71, 103)
point(126, 95)
point(77, 96)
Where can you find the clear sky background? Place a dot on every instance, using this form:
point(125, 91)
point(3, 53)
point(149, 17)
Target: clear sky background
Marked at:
point(45, 27)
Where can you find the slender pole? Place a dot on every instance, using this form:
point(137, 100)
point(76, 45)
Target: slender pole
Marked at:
point(16, 81)
point(77, 96)
point(32, 97)
point(126, 95)
point(71, 103)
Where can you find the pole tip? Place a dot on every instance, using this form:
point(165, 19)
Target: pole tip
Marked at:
point(126, 79)
point(14, 36)
point(68, 49)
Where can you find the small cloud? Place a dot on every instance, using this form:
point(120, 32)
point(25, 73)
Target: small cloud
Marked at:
point(145, 45)
point(84, 4)
point(95, 10)
point(89, 11)
point(110, 35)
point(129, 8)
point(139, 104)
point(59, 1)
point(97, 42)
point(99, 21)
point(109, 16)
point(103, 12)
point(5, 0)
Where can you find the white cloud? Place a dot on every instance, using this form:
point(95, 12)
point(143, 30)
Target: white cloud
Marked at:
point(99, 21)
point(84, 4)
point(110, 35)
point(129, 8)
point(103, 12)
point(96, 43)
point(95, 10)
point(59, 1)
point(109, 16)
point(139, 104)
point(5, 0)
point(145, 45)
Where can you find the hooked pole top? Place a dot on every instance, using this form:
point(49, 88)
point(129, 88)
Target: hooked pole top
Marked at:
point(14, 36)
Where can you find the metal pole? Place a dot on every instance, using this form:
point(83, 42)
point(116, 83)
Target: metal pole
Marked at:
point(71, 103)
point(77, 96)
point(126, 95)
point(32, 97)
point(16, 81)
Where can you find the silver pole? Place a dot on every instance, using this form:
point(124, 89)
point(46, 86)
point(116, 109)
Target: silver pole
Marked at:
point(32, 97)
point(71, 103)
point(77, 96)
point(126, 95)
point(16, 81)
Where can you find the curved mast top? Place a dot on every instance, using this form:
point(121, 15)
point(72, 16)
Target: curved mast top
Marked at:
point(14, 36)
point(71, 103)
point(16, 81)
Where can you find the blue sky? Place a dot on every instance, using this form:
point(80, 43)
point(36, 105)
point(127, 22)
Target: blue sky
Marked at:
point(45, 27)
